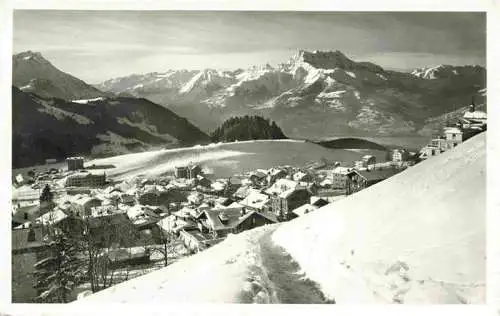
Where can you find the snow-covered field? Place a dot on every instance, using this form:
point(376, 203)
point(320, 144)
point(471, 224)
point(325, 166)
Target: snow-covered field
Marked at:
point(155, 163)
point(418, 237)
point(225, 159)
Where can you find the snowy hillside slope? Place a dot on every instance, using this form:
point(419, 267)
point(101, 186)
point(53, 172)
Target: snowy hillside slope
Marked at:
point(418, 237)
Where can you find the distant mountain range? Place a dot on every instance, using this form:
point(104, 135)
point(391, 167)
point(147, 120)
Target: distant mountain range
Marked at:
point(314, 94)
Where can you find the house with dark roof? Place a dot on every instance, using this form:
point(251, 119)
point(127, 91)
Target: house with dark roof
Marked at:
point(221, 222)
point(302, 210)
point(24, 214)
point(360, 179)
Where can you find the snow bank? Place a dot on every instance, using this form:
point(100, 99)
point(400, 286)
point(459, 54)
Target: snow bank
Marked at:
point(229, 272)
point(418, 237)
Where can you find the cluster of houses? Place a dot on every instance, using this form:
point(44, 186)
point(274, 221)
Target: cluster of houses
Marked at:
point(186, 205)
point(472, 123)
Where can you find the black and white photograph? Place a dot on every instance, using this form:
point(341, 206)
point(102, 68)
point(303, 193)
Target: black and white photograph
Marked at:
point(239, 156)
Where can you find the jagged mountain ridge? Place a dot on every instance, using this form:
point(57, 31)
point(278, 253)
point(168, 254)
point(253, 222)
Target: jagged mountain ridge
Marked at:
point(45, 128)
point(31, 72)
point(319, 92)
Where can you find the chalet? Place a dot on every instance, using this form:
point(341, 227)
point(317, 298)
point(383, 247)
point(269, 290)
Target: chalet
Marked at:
point(338, 177)
point(454, 136)
point(203, 182)
point(243, 192)
point(429, 151)
point(255, 201)
point(358, 180)
point(152, 195)
point(284, 202)
point(281, 186)
point(302, 210)
point(301, 176)
point(84, 204)
point(258, 177)
point(400, 155)
point(142, 216)
point(58, 220)
point(173, 224)
point(221, 222)
point(440, 143)
point(275, 174)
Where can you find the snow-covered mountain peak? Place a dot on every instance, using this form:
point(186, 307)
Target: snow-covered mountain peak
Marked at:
point(322, 59)
point(204, 82)
point(444, 71)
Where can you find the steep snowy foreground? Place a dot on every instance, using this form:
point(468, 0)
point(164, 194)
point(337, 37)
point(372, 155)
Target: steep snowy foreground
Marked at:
point(418, 237)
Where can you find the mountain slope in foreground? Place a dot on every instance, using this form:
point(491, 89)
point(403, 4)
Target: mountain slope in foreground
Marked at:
point(45, 128)
point(423, 243)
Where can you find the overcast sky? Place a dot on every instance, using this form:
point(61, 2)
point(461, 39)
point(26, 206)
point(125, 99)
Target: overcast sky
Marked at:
point(99, 45)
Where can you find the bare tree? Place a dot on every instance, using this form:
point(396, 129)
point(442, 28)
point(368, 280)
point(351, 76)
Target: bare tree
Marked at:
point(167, 244)
point(102, 237)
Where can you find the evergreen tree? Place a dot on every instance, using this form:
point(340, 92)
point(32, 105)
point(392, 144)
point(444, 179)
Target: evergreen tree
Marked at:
point(247, 128)
point(47, 195)
point(57, 275)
